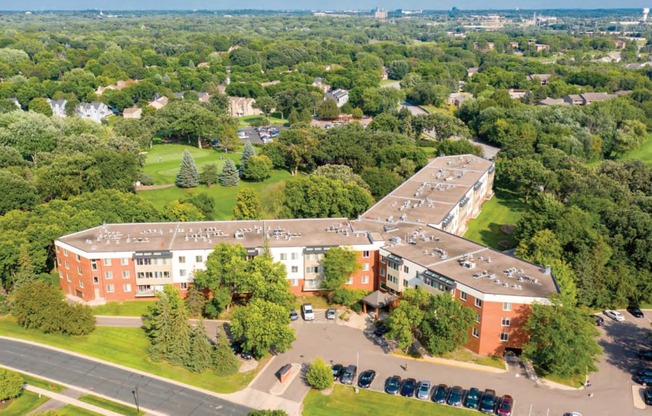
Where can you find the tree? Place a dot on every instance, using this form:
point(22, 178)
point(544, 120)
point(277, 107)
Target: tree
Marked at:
point(11, 384)
point(16, 193)
point(195, 301)
point(266, 104)
point(208, 175)
point(188, 177)
point(257, 168)
point(247, 153)
point(341, 172)
point(404, 321)
point(339, 264)
point(262, 325)
point(182, 211)
point(319, 375)
point(381, 181)
point(41, 106)
point(319, 196)
point(201, 350)
point(229, 175)
point(328, 110)
point(203, 202)
point(446, 324)
point(562, 341)
point(398, 69)
point(247, 205)
point(523, 175)
point(225, 362)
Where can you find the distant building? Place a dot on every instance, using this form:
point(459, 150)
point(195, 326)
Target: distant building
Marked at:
point(340, 96)
point(203, 65)
point(540, 47)
point(380, 14)
point(384, 74)
point(159, 102)
point(516, 94)
point(587, 98)
point(204, 97)
point(319, 83)
point(553, 101)
point(58, 107)
point(620, 44)
point(241, 107)
point(133, 112)
point(95, 111)
point(472, 71)
point(541, 78)
point(458, 98)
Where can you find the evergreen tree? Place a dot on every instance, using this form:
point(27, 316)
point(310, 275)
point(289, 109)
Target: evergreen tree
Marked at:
point(247, 152)
point(208, 175)
point(201, 350)
point(229, 175)
point(188, 176)
point(293, 118)
point(225, 362)
point(195, 301)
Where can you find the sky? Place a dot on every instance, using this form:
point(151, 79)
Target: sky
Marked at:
point(313, 4)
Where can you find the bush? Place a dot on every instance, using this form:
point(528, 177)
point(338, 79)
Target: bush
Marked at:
point(320, 375)
point(5, 305)
point(257, 168)
point(145, 179)
point(348, 297)
point(267, 413)
point(11, 384)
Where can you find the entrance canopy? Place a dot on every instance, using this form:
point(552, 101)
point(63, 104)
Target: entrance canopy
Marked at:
point(379, 299)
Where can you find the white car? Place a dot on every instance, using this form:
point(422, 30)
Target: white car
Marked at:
point(615, 315)
point(308, 312)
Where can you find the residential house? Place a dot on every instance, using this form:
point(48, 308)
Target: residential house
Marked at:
point(516, 94)
point(620, 44)
point(540, 78)
point(513, 45)
point(472, 71)
point(340, 96)
point(458, 98)
point(270, 83)
point(58, 107)
point(95, 111)
point(541, 47)
point(132, 112)
point(159, 102)
point(240, 107)
point(638, 65)
point(204, 97)
point(384, 74)
point(319, 83)
point(553, 101)
point(587, 98)
point(203, 65)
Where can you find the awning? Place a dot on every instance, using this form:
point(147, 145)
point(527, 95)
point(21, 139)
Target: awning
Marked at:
point(378, 299)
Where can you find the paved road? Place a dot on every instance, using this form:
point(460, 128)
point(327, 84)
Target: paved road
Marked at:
point(114, 382)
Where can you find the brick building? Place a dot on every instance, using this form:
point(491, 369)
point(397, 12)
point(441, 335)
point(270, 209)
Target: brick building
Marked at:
point(409, 238)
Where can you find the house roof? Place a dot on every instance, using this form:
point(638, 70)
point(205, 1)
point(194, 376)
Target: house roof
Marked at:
point(132, 110)
point(378, 299)
point(553, 101)
point(540, 77)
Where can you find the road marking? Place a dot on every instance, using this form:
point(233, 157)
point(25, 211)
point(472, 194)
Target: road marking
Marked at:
point(637, 396)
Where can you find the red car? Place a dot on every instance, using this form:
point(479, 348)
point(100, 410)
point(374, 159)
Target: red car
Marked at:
point(505, 406)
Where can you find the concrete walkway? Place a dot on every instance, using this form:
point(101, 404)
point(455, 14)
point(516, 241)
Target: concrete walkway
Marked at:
point(63, 399)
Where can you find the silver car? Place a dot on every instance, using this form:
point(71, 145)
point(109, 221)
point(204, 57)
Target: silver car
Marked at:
point(423, 390)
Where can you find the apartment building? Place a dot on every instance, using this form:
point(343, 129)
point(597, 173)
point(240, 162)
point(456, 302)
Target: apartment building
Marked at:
point(409, 238)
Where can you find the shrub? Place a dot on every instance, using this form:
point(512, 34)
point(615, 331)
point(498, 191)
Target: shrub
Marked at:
point(145, 179)
point(11, 384)
point(320, 375)
point(257, 168)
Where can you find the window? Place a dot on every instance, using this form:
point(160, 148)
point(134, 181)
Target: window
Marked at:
point(507, 306)
point(107, 262)
point(505, 322)
point(365, 279)
point(56, 248)
point(294, 256)
point(349, 281)
point(406, 269)
point(365, 254)
point(143, 262)
point(93, 264)
point(295, 269)
point(60, 275)
point(77, 257)
point(81, 284)
point(96, 280)
point(199, 259)
point(182, 272)
point(184, 286)
point(463, 295)
point(59, 262)
point(110, 288)
point(382, 259)
point(365, 267)
point(108, 275)
point(67, 265)
point(182, 259)
point(79, 270)
point(126, 274)
point(284, 256)
point(504, 336)
point(477, 317)
point(65, 252)
point(126, 287)
point(476, 332)
point(312, 269)
point(478, 303)
point(382, 272)
point(405, 283)
point(295, 282)
point(68, 277)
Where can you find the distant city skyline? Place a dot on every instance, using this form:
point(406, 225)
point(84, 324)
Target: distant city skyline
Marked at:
point(314, 4)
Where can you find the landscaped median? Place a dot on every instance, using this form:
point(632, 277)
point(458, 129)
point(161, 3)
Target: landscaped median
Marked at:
point(128, 347)
point(344, 400)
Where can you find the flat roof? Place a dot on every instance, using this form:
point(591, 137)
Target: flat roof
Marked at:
point(205, 235)
point(428, 196)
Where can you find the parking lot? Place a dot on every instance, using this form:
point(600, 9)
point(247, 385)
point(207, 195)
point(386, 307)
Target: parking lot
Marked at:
point(613, 388)
point(252, 134)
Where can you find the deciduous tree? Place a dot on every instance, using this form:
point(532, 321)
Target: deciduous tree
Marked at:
point(11, 384)
point(209, 175)
point(319, 375)
point(262, 325)
point(339, 264)
point(247, 205)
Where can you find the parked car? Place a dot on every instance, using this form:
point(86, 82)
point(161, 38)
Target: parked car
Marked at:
point(647, 395)
point(644, 379)
point(380, 330)
point(645, 355)
point(392, 385)
point(573, 414)
point(366, 378)
point(308, 312)
point(472, 398)
point(440, 393)
point(423, 390)
point(488, 401)
point(505, 406)
point(331, 313)
point(294, 315)
point(455, 396)
point(348, 376)
point(337, 371)
point(599, 321)
point(635, 311)
point(615, 315)
point(644, 372)
point(407, 387)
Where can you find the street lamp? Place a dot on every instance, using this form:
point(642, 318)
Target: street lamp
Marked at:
point(135, 393)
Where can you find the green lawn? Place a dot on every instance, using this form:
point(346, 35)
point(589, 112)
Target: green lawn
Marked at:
point(44, 384)
point(24, 404)
point(256, 120)
point(110, 405)
point(128, 347)
point(127, 308)
point(70, 410)
point(505, 208)
point(224, 196)
point(644, 152)
point(345, 401)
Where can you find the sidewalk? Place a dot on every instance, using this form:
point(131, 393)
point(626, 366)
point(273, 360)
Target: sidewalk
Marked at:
point(69, 400)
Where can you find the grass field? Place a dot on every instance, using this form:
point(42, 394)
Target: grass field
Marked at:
point(128, 347)
point(644, 152)
point(127, 308)
point(70, 410)
point(44, 384)
point(110, 405)
point(27, 402)
point(274, 120)
point(503, 209)
point(345, 401)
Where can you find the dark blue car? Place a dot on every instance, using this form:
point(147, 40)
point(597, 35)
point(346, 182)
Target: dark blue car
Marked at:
point(440, 393)
point(392, 385)
point(408, 387)
point(488, 401)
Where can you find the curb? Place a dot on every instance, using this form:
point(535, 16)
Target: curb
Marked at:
point(453, 363)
